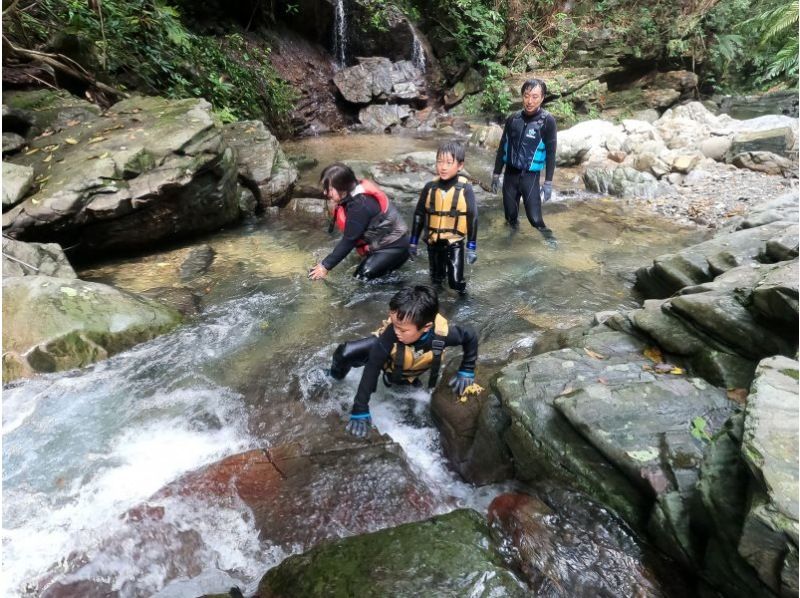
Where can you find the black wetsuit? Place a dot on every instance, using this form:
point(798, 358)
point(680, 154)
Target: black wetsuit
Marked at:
point(360, 210)
point(373, 353)
point(528, 145)
point(446, 258)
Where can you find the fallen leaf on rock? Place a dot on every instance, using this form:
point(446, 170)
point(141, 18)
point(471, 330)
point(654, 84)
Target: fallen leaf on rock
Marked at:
point(677, 371)
point(653, 354)
point(738, 395)
point(97, 139)
point(71, 141)
point(31, 152)
point(73, 122)
point(48, 158)
point(567, 389)
point(593, 354)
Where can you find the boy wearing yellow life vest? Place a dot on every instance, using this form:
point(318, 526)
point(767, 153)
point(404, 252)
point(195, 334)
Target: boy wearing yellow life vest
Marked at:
point(410, 343)
point(447, 211)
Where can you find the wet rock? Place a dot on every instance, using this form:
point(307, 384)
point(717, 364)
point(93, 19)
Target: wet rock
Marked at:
point(261, 160)
point(53, 324)
point(363, 488)
point(35, 259)
point(197, 262)
point(583, 552)
point(149, 170)
point(448, 555)
point(184, 300)
point(472, 436)
point(575, 142)
point(775, 134)
point(774, 297)
point(17, 180)
point(776, 102)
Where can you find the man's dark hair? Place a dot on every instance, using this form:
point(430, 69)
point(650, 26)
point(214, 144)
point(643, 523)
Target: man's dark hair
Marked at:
point(339, 176)
point(452, 148)
point(420, 304)
point(531, 83)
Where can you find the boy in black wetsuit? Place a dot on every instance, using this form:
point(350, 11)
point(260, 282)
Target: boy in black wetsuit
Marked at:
point(410, 343)
point(527, 147)
point(447, 210)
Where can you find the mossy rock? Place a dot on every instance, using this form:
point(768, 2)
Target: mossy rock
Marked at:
point(449, 555)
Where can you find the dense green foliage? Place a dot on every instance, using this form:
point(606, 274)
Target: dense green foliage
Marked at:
point(144, 45)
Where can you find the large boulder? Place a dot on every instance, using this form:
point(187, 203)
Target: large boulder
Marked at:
point(35, 259)
point(609, 425)
point(769, 537)
point(448, 555)
point(378, 78)
point(576, 142)
point(382, 117)
point(52, 324)
point(148, 170)
point(261, 161)
point(621, 180)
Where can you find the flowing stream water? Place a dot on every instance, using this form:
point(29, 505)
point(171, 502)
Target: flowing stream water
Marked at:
point(83, 448)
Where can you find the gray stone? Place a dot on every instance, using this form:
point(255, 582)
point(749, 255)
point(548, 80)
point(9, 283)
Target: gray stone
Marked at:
point(766, 162)
point(379, 78)
point(33, 112)
point(715, 147)
point(261, 160)
point(197, 262)
point(620, 180)
point(12, 142)
point(17, 180)
point(574, 143)
point(308, 206)
point(35, 259)
point(380, 117)
point(775, 295)
point(486, 136)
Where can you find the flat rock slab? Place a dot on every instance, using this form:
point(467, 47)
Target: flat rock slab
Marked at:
point(35, 259)
point(16, 182)
point(300, 496)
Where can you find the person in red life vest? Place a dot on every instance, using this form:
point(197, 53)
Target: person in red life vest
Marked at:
point(369, 223)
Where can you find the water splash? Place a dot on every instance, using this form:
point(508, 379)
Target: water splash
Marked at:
point(340, 34)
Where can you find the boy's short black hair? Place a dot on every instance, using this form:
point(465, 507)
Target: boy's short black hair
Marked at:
point(420, 304)
point(452, 148)
point(339, 176)
point(531, 83)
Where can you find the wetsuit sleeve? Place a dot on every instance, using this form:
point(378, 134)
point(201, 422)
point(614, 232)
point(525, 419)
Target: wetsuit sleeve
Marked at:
point(472, 217)
point(357, 221)
point(501, 149)
point(378, 355)
point(550, 138)
point(468, 339)
point(418, 220)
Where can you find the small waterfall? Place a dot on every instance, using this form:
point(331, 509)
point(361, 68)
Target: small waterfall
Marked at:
point(417, 51)
point(340, 34)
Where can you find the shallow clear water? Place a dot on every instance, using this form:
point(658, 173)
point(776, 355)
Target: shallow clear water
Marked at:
point(82, 448)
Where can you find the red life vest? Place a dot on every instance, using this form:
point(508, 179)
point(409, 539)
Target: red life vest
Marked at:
point(369, 189)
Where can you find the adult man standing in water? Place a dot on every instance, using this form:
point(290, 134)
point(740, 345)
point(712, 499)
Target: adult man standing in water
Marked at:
point(527, 147)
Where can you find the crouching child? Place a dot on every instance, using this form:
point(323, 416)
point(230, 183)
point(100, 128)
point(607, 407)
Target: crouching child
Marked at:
point(410, 343)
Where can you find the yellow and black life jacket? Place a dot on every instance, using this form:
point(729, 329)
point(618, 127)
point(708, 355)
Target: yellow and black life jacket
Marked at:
point(404, 366)
point(447, 211)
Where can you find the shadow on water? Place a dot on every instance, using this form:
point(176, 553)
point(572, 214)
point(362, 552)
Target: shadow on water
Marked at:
point(79, 448)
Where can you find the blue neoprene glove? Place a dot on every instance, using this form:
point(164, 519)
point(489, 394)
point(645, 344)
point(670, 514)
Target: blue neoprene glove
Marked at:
point(461, 381)
point(359, 425)
point(547, 191)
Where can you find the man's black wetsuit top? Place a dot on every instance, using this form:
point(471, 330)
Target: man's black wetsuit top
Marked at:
point(517, 153)
point(381, 349)
point(360, 210)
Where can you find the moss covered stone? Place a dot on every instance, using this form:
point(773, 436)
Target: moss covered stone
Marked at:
point(449, 555)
